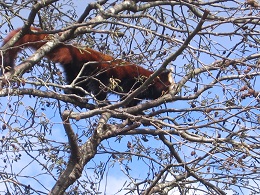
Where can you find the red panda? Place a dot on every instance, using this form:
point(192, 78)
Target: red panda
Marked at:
point(126, 76)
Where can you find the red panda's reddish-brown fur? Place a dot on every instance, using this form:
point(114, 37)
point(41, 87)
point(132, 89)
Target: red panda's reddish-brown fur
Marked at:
point(126, 76)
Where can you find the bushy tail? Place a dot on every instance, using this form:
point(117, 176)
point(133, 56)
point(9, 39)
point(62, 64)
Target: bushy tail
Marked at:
point(63, 54)
point(29, 40)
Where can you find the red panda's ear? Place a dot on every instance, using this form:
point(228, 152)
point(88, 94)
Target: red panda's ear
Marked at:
point(170, 77)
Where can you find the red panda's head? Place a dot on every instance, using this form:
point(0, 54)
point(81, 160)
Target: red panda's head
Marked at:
point(164, 81)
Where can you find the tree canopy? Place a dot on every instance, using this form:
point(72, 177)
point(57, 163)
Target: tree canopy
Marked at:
point(200, 137)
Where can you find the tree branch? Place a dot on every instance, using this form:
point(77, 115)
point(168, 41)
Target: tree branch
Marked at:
point(190, 171)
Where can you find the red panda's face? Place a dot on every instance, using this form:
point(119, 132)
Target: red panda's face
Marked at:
point(164, 81)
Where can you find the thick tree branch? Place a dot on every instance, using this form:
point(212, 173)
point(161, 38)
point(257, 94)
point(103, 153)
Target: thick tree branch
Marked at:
point(80, 156)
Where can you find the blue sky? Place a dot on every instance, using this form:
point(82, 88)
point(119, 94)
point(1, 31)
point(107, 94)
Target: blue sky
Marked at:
point(116, 173)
